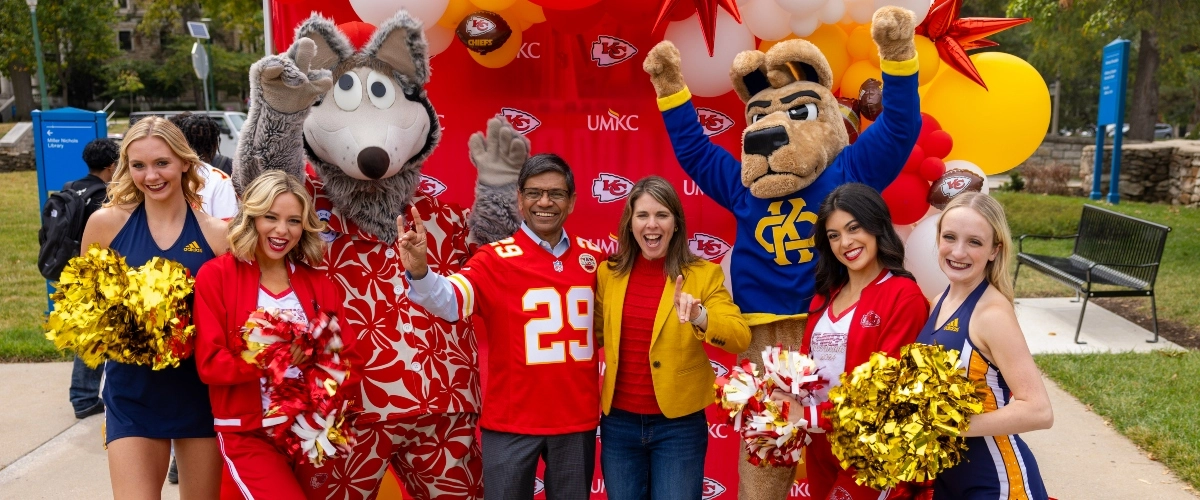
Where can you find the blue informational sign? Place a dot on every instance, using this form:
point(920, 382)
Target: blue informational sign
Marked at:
point(59, 136)
point(1113, 75)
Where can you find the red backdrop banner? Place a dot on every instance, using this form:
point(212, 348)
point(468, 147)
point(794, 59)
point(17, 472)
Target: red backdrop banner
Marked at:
point(583, 96)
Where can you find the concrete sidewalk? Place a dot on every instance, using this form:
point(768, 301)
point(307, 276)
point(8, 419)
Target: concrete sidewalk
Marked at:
point(50, 455)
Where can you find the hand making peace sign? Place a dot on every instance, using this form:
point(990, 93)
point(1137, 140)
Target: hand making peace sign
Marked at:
point(413, 245)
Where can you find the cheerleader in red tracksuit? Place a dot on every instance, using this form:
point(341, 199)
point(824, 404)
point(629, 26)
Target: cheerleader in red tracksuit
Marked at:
point(865, 302)
point(273, 235)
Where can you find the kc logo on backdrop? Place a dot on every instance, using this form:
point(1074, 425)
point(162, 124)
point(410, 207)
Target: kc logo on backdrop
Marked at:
point(712, 489)
point(610, 50)
point(431, 186)
point(521, 121)
point(707, 246)
point(714, 122)
point(608, 188)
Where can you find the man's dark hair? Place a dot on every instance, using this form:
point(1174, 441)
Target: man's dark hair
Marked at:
point(202, 133)
point(542, 163)
point(101, 154)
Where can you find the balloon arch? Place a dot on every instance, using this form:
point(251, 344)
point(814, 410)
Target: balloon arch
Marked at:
point(567, 73)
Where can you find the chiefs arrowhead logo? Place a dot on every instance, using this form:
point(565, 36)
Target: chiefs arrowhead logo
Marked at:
point(610, 50)
point(713, 121)
point(712, 489)
point(538, 485)
point(707, 246)
point(478, 25)
point(718, 368)
point(521, 121)
point(611, 187)
point(431, 187)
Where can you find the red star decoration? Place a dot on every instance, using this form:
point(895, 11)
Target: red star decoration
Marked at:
point(954, 37)
point(706, 9)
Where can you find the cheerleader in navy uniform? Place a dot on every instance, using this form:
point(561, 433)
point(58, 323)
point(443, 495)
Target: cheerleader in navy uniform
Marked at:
point(153, 212)
point(975, 316)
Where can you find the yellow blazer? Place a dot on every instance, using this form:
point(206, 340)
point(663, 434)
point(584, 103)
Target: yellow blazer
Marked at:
point(683, 377)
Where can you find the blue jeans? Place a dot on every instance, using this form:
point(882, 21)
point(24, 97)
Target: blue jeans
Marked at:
point(652, 456)
point(85, 385)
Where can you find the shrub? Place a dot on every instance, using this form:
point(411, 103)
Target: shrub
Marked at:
point(1048, 179)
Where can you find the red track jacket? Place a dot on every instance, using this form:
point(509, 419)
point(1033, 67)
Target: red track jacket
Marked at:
point(226, 294)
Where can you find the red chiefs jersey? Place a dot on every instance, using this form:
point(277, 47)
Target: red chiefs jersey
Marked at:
point(416, 363)
point(537, 309)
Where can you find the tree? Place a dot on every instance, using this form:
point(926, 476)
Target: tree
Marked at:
point(128, 81)
point(76, 35)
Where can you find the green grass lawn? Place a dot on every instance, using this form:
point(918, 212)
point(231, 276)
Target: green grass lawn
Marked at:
point(23, 300)
point(1059, 215)
point(1151, 398)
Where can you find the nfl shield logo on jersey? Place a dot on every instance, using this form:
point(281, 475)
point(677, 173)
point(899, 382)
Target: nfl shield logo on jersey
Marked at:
point(558, 267)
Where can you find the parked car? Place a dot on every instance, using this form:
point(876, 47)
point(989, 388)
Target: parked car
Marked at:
point(230, 123)
point(1161, 130)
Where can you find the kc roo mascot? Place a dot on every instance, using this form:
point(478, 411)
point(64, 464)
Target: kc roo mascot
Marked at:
point(364, 139)
point(794, 153)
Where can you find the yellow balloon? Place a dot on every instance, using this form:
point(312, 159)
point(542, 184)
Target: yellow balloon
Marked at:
point(493, 5)
point(848, 26)
point(500, 57)
point(766, 45)
point(832, 42)
point(928, 58)
point(528, 11)
point(861, 46)
point(515, 21)
point(456, 10)
point(858, 73)
point(997, 128)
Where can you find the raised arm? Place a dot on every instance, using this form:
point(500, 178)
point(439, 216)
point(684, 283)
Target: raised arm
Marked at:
point(498, 158)
point(282, 90)
point(428, 290)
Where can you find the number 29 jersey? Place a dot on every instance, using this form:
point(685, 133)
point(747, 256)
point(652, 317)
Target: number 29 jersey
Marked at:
point(537, 309)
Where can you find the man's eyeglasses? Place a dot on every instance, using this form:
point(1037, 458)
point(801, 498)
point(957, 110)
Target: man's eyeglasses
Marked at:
point(535, 194)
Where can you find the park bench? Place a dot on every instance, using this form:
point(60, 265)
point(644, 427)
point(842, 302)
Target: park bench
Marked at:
point(1119, 252)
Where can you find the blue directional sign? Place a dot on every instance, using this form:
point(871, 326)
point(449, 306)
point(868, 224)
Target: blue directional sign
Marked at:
point(58, 139)
point(1113, 74)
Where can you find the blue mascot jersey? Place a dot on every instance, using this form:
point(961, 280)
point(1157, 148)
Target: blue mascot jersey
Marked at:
point(774, 264)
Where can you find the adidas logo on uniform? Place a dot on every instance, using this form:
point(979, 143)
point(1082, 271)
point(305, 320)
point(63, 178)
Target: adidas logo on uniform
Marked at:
point(952, 326)
point(193, 247)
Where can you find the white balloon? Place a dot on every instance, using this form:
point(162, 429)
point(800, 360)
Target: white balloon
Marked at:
point(832, 11)
point(766, 20)
point(377, 11)
point(860, 11)
point(801, 7)
point(439, 38)
point(804, 25)
point(918, 7)
point(966, 165)
point(903, 231)
point(709, 76)
point(921, 259)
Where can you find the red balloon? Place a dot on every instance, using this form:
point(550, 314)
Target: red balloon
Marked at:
point(932, 168)
point(629, 9)
point(682, 9)
point(937, 143)
point(913, 165)
point(574, 22)
point(929, 124)
point(565, 4)
point(905, 198)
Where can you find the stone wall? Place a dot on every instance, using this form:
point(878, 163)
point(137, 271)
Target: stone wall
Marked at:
point(1157, 172)
point(1057, 149)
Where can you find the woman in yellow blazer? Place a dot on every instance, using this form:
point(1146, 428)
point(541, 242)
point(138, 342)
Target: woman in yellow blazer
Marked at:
point(657, 306)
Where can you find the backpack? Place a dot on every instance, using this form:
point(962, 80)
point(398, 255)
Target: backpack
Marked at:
point(63, 219)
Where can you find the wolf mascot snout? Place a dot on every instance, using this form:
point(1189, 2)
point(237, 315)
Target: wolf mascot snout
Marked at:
point(357, 114)
point(794, 154)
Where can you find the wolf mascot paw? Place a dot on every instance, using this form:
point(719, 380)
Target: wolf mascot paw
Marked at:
point(352, 118)
point(795, 151)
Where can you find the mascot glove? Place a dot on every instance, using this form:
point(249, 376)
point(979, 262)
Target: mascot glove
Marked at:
point(893, 29)
point(662, 64)
point(499, 156)
point(285, 86)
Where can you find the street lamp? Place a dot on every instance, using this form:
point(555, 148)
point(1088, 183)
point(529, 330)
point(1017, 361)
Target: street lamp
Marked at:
point(37, 49)
point(211, 81)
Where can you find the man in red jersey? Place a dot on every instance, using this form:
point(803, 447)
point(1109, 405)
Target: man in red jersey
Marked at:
point(535, 293)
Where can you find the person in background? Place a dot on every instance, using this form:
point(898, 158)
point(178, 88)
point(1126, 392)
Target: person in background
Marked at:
point(975, 316)
point(204, 136)
point(657, 306)
point(101, 157)
point(272, 242)
point(865, 302)
point(535, 292)
point(149, 214)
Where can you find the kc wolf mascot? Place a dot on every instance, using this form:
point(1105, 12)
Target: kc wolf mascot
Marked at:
point(354, 108)
point(794, 153)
